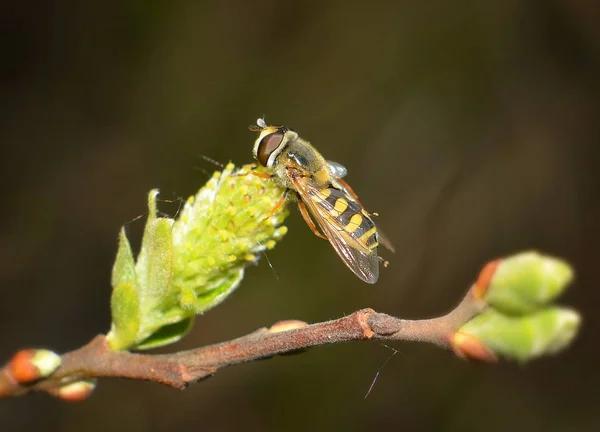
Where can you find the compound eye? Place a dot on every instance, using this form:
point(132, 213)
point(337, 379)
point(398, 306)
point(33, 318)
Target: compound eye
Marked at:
point(267, 146)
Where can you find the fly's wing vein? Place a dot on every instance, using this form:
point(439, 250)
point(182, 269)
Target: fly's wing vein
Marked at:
point(363, 261)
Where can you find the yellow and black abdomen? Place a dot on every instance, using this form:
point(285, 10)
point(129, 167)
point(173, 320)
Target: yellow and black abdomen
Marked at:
point(354, 221)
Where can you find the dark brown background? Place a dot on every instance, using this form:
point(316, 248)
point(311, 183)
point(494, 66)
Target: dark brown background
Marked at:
point(471, 127)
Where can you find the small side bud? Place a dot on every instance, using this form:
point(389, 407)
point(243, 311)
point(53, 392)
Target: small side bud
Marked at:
point(31, 365)
point(76, 391)
point(286, 325)
point(525, 282)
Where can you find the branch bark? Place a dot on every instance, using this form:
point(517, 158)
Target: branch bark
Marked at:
point(180, 369)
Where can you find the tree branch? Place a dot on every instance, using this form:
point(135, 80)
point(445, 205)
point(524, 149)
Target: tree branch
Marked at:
point(178, 370)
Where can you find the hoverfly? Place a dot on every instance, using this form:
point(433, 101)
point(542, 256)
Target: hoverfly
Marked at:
point(323, 197)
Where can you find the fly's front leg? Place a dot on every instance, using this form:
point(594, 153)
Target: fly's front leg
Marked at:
point(254, 173)
point(261, 175)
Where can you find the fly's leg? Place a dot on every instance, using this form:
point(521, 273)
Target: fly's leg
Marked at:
point(353, 194)
point(278, 205)
point(309, 220)
point(261, 175)
point(254, 173)
point(349, 189)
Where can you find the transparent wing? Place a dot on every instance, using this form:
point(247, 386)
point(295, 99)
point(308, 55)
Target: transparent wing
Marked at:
point(353, 250)
point(336, 169)
point(385, 241)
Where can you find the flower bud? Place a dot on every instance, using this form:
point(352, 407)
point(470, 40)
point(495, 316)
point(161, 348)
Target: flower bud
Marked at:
point(33, 364)
point(524, 338)
point(526, 282)
point(76, 391)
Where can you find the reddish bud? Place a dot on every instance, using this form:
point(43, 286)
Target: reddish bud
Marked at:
point(30, 365)
point(485, 277)
point(467, 346)
point(22, 367)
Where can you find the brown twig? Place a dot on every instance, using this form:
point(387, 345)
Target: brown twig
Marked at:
point(179, 369)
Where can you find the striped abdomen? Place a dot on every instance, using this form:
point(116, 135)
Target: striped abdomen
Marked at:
point(350, 216)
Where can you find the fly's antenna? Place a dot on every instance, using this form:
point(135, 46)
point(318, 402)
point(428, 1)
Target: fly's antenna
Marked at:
point(260, 124)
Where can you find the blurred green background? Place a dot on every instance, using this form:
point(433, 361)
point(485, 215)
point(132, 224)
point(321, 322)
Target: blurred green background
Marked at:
point(471, 127)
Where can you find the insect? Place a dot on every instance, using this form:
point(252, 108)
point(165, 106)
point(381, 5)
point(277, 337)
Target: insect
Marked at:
point(325, 200)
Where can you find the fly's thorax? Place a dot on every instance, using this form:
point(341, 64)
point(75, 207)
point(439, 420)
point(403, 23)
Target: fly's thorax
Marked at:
point(301, 155)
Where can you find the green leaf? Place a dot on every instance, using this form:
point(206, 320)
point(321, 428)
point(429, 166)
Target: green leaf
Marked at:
point(524, 338)
point(124, 266)
point(167, 334)
point(153, 267)
point(125, 317)
point(215, 296)
point(124, 300)
point(527, 282)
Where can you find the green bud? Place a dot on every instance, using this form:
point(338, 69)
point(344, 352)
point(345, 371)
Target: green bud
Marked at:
point(524, 338)
point(220, 231)
point(189, 265)
point(526, 282)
